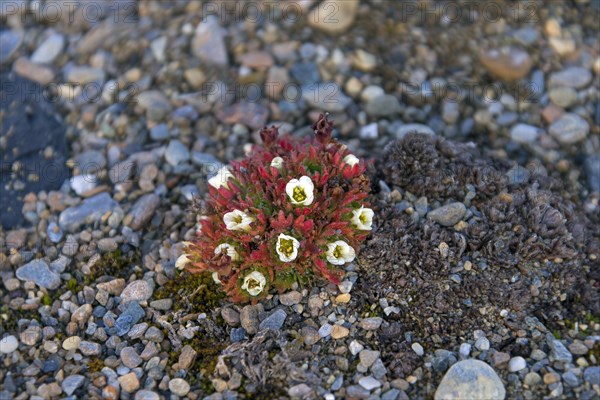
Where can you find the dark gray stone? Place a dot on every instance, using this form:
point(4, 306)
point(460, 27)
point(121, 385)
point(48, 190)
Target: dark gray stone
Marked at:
point(130, 316)
point(29, 126)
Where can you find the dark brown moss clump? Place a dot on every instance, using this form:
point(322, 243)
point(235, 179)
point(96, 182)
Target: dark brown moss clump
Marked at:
point(193, 293)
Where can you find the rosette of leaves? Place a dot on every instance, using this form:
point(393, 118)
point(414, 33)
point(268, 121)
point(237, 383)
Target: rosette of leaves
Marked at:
point(292, 211)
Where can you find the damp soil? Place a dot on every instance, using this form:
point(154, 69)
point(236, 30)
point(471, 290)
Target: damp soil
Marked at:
point(527, 248)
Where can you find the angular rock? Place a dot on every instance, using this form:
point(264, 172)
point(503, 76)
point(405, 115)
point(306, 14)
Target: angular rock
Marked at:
point(37, 271)
point(143, 210)
point(274, 321)
point(139, 290)
point(72, 383)
point(208, 43)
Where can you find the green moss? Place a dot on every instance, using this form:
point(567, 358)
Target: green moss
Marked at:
point(95, 365)
point(46, 300)
point(115, 264)
point(10, 324)
point(193, 293)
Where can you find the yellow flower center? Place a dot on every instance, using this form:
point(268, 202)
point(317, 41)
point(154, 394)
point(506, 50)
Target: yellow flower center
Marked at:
point(253, 284)
point(299, 194)
point(337, 252)
point(286, 246)
point(238, 219)
point(363, 218)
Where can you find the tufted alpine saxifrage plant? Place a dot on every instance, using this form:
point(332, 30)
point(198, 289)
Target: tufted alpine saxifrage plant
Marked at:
point(292, 211)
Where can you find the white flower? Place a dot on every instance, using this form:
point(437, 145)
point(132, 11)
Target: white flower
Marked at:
point(339, 252)
point(227, 249)
point(351, 160)
point(182, 261)
point(301, 191)
point(254, 283)
point(220, 179)
point(215, 276)
point(363, 218)
point(237, 220)
point(277, 162)
point(287, 248)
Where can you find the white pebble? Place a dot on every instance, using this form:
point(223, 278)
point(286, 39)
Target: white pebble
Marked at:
point(8, 344)
point(516, 364)
point(418, 349)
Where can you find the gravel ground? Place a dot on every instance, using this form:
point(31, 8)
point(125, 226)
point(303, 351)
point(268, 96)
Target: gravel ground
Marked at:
point(481, 279)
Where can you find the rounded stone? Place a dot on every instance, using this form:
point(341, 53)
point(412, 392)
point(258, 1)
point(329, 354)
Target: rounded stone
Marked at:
point(470, 379)
point(179, 387)
point(8, 344)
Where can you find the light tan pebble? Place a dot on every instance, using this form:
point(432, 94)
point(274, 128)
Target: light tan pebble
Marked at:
point(339, 332)
point(343, 298)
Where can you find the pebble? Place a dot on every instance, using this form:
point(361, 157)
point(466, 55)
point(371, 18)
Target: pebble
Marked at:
point(187, 357)
point(327, 96)
point(369, 383)
point(345, 286)
point(300, 391)
point(129, 382)
point(179, 387)
point(231, 317)
point(592, 375)
point(55, 234)
point(572, 77)
point(562, 96)
point(154, 334)
point(35, 72)
point(449, 214)
point(482, 344)
point(176, 153)
point(71, 343)
point(364, 60)
point(578, 348)
point(107, 245)
point(37, 271)
point(8, 344)
point(339, 332)
point(569, 129)
point(310, 335)
point(50, 48)
point(532, 379)
point(345, 12)
point(470, 379)
point(72, 383)
point(418, 349)
point(130, 358)
point(368, 357)
point(146, 395)
point(343, 298)
point(508, 63)
point(82, 313)
point(83, 75)
point(159, 132)
point(516, 364)
point(570, 379)
point(371, 324)
point(253, 115)
point(89, 348)
point(132, 314)
point(558, 351)
point(355, 347)
point(369, 132)
point(208, 44)
point(143, 210)
point(139, 290)
point(383, 105)
point(274, 321)
point(523, 133)
point(325, 330)
point(249, 319)
point(305, 73)
point(290, 298)
point(90, 211)
point(155, 104)
point(10, 41)
point(31, 335)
